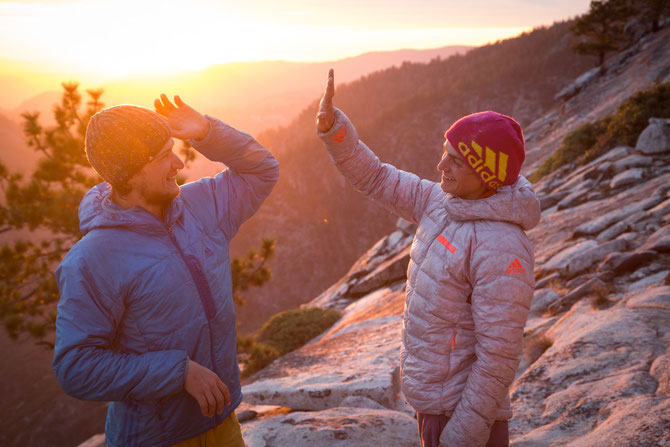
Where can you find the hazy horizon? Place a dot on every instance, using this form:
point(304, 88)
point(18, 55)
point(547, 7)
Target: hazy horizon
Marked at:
point(26, 82)
point(101, 43)
point(102, 38)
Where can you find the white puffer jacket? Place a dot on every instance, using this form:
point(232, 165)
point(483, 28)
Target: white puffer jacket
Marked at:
point(470, 283)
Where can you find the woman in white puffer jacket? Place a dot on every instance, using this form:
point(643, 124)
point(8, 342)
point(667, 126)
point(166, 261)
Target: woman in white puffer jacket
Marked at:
point(470, 278)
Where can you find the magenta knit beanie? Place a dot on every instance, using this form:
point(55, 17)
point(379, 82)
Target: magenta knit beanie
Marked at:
point(120, 140)
point(491, 144)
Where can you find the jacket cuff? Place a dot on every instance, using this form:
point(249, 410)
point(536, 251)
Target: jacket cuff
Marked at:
point(337, 123)
point(181, 366)
point(341, 140)
point(183, 370)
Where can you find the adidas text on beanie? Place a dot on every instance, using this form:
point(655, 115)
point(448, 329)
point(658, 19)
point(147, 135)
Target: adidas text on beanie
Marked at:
point(491, 144)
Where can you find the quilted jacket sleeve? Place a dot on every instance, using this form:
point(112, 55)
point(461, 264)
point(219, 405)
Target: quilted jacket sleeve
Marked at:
point(85, 363)
point(235, 194)
point(500, 304)
point(403, 193)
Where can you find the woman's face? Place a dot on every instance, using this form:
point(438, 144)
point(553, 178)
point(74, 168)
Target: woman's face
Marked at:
point(457, 178)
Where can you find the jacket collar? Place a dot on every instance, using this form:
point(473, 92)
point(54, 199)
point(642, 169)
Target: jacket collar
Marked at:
point(515, 203)
point(97, 210)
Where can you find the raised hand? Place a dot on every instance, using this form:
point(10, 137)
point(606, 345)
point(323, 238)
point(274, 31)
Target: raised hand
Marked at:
point(325, 117)
point(185, 122)
point(206, 387)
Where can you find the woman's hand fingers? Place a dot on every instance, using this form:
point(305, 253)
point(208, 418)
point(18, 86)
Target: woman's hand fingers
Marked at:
point(326, 115)
point(327, 98)
point(330, 88)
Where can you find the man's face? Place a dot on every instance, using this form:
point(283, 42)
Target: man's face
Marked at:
point(457, 178)
point(156, 181)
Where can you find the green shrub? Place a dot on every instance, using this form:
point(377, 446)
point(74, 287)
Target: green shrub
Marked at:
point(291, 329)
point(282, 333)
point(259, 355)
point(632, 117)
point(574, 145)
point(601, 142)
point(591, 140)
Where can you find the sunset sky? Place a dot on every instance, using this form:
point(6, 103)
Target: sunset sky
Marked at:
point(113, 38)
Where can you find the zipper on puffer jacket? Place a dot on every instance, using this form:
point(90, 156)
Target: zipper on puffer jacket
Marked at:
point(205, 294)
point(458, 322)
point(199, 279)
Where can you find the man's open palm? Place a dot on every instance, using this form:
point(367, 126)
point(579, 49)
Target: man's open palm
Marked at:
point(185, 122)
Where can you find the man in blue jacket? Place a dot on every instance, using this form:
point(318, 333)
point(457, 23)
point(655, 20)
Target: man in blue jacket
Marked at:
point(146, 317)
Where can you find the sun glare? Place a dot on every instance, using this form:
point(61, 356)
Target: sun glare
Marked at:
point(119, 38)
point(111, 39)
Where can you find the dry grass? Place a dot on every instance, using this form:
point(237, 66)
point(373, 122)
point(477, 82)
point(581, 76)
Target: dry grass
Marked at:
point(550, 312)
point(600, 297)
point(535, 346)
point(558, 286)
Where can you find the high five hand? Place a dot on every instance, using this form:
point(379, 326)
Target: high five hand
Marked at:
point(185, 122)
point(325, 117)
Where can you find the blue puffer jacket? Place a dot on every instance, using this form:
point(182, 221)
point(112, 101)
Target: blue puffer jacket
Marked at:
point(139, 297)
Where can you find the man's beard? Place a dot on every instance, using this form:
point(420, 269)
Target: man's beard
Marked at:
point(162, 198)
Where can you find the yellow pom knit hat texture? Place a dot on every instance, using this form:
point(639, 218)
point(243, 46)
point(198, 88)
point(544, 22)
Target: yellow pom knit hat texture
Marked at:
point(120, 140)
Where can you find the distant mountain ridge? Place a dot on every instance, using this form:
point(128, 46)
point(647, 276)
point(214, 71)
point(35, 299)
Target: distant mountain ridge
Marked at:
point(236, 87)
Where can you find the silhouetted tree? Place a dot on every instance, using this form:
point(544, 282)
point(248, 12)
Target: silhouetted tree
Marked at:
point(603, 27)
point(49, 200)
point(652, 11)
point(251, 271)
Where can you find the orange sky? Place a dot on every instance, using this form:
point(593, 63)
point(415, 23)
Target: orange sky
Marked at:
point(115, 38)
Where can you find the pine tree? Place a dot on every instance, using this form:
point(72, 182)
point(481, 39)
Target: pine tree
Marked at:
point(603, 27)
point(49, 201)
point(652, 11)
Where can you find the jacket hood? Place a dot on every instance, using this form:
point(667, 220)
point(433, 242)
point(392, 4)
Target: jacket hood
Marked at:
point(96, 210)
point(515, 203)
